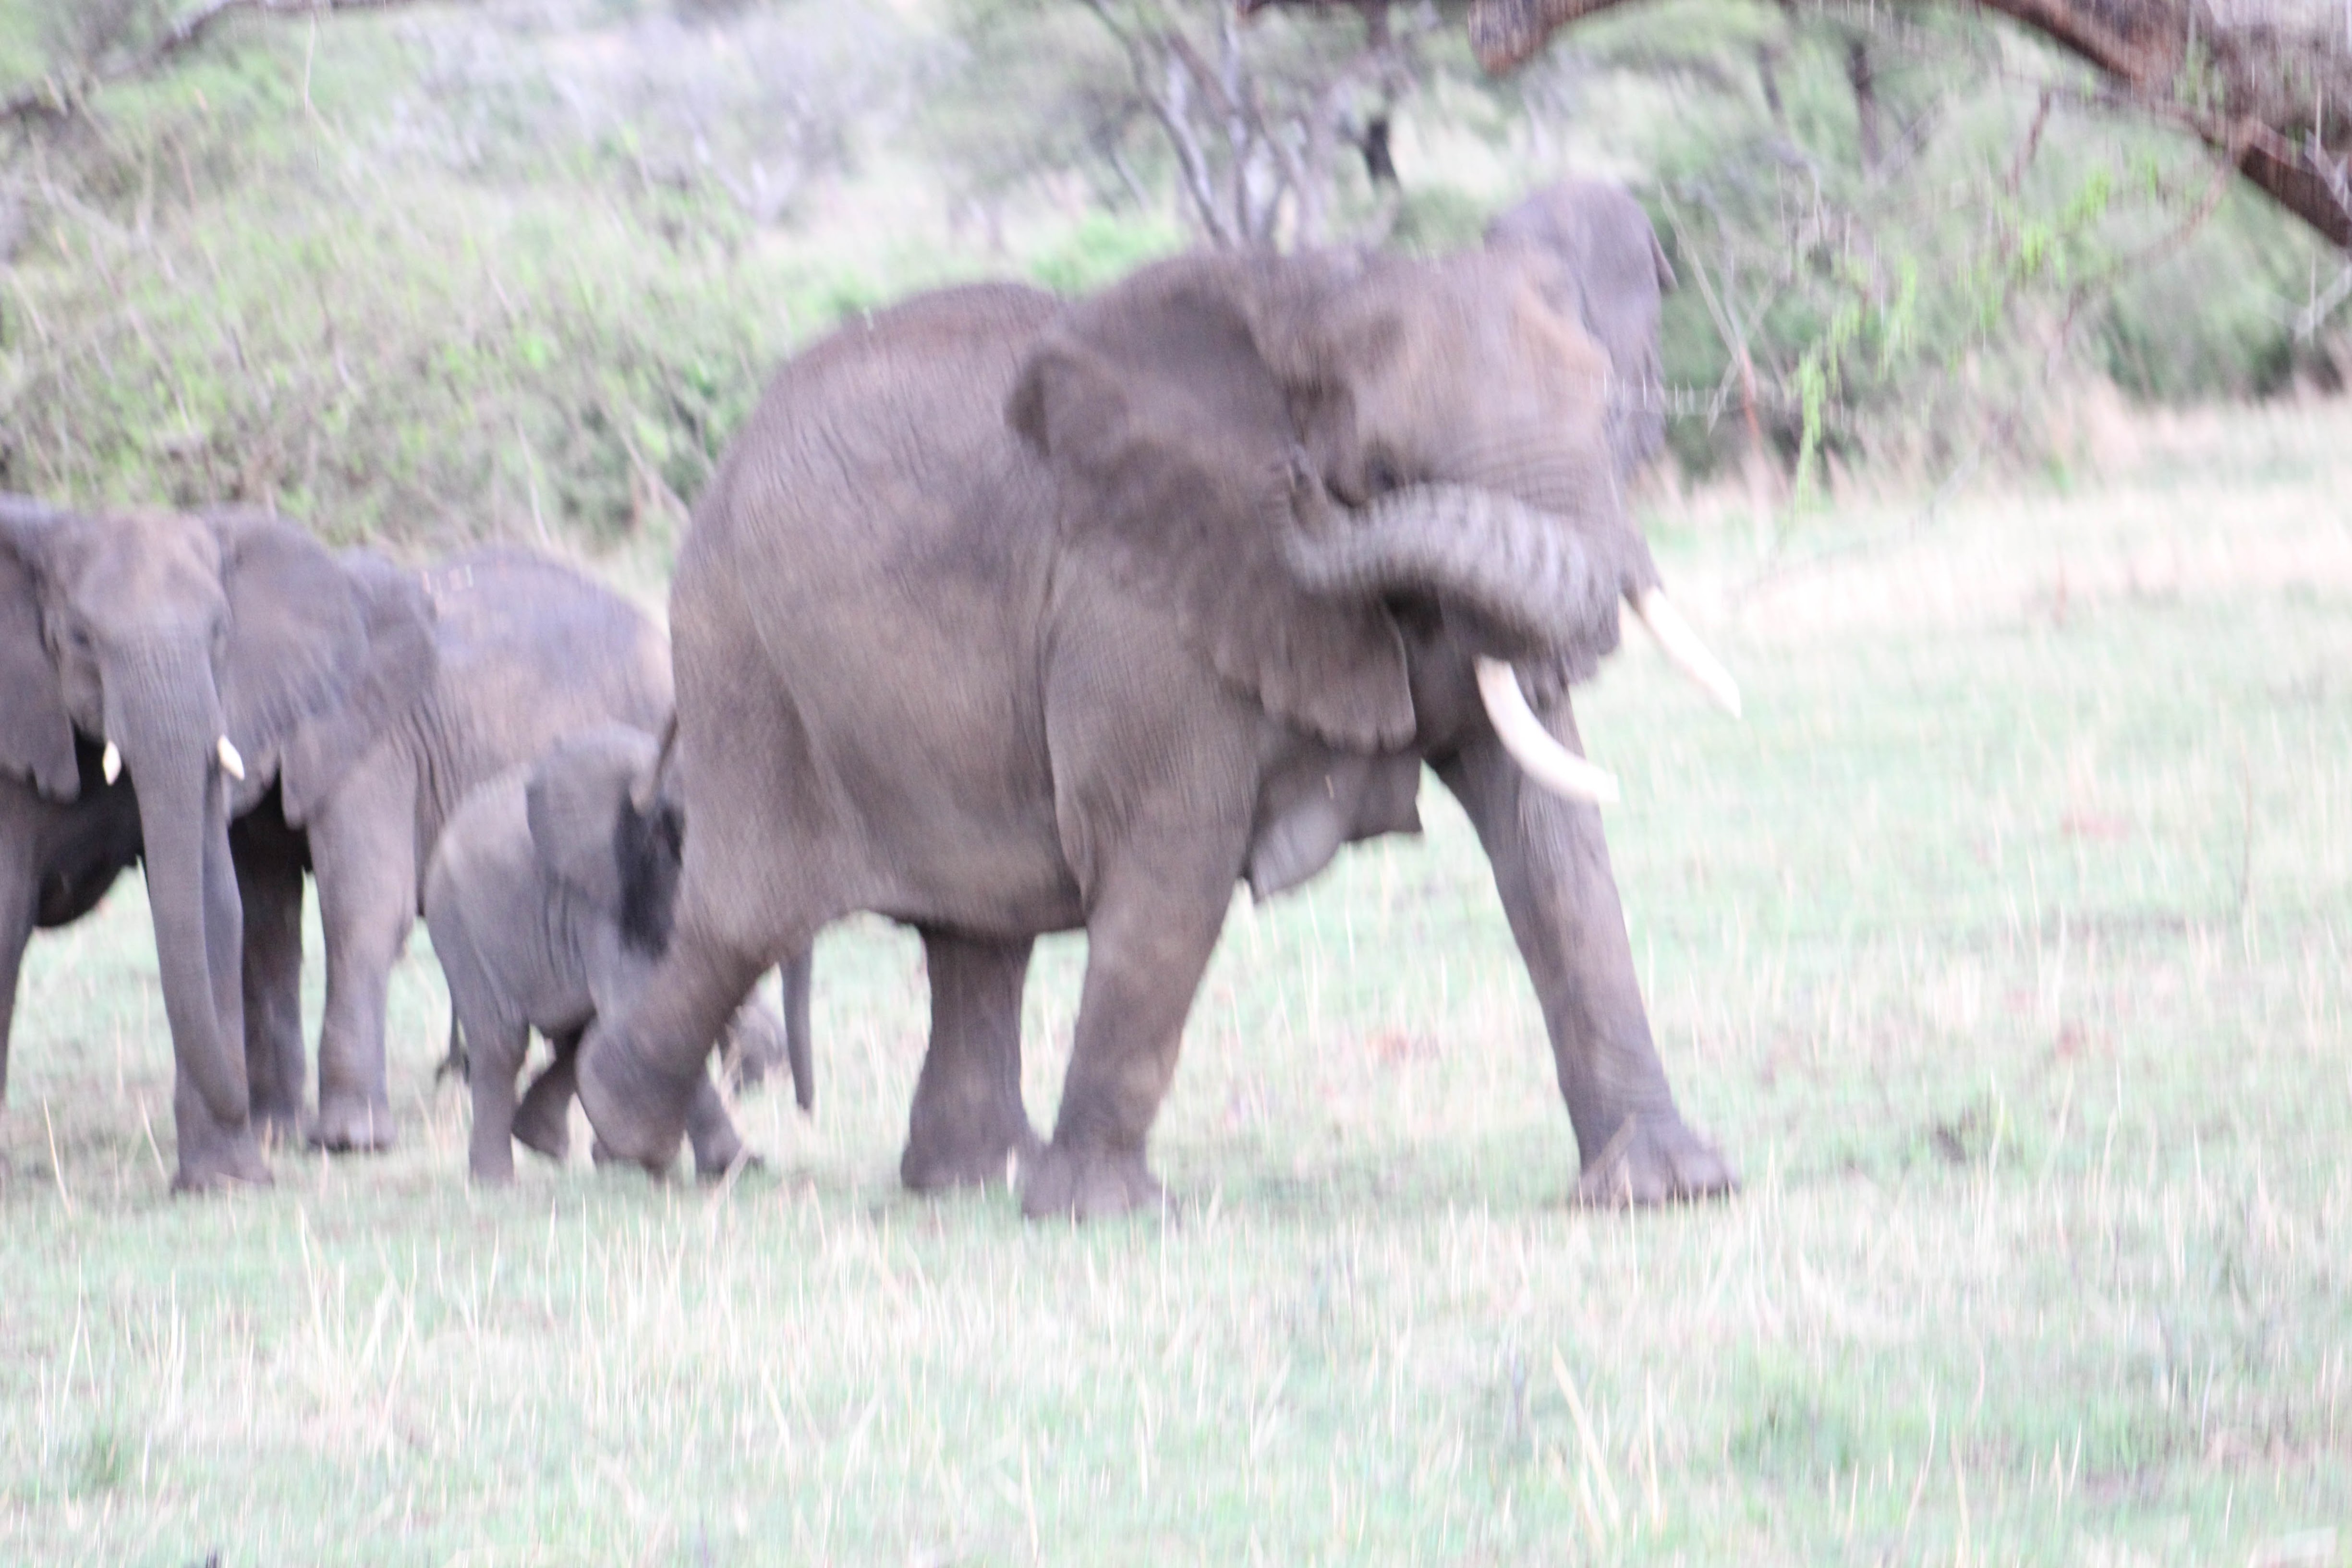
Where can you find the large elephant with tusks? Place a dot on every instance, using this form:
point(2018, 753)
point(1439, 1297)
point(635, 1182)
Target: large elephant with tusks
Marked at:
point(1006, 615)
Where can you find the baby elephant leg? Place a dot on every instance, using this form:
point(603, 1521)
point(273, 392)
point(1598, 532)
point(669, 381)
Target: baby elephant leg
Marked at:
point(542, 1123)
point(498, 1054)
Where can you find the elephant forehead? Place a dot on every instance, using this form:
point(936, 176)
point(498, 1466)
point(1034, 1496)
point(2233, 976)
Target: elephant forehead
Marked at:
point(150, 572)
point(1482, 352)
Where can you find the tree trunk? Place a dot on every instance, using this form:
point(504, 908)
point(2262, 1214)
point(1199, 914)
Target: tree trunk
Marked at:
point(1864, 79)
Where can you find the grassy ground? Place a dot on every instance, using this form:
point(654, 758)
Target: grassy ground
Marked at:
point(2004, 947)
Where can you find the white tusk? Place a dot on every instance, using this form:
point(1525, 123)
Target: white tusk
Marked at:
point(231, 764)
point(1681, 644)
point(1531, 745)
point(110, 761)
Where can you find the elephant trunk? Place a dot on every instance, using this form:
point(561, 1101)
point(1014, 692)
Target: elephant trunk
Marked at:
point(161, 704)
point(1532, 574)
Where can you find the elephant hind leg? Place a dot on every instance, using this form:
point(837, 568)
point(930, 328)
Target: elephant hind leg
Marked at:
point(16, 931)
point(1148, 937)
point(968, 1124)
point(642, 1067)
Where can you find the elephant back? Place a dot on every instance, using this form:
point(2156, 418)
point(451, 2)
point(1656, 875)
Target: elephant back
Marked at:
point(530, 651)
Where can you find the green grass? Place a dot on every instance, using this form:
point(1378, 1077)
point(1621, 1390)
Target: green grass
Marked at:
point(2004, 947)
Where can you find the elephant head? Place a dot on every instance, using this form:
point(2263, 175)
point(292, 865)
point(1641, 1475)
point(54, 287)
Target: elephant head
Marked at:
point(1616, 277)
point(211, 657)
point(607, 826)
point(1301, 454)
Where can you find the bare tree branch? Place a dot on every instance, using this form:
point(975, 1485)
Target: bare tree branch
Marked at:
point(2277, 103)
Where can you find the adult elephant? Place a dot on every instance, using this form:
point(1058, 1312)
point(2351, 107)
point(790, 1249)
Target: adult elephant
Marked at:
point(1614, 278)
point(213, 660)
point(1003, 617)
point(526, 650)
point(57, 858)
point(350, 704)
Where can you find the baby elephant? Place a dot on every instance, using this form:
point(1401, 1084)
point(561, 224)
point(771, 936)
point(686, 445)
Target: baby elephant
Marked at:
point(548, 899)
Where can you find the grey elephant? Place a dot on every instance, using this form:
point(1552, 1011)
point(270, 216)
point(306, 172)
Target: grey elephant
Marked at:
point(212, 661)
point(57, 860)
point(548, 900)
point(1614, 277)
point(526, 650)
point(346, 705)
point(1004, 616)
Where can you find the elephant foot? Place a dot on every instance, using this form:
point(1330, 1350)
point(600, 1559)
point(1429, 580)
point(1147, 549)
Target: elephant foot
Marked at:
point(1655, 1160)
point(214, 1162)
point(639, 1112)
point(1090, 1183)
point(941, 1158)
point(352, 1124)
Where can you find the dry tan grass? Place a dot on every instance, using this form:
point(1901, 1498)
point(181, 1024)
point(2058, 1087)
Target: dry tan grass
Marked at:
point(2006, 952)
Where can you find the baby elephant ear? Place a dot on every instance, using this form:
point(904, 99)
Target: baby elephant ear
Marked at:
point(1170, 409)
point(582, 827)
point(36, 739)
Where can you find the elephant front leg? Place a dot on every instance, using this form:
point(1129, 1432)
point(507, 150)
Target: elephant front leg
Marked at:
point(642, 1067)
point(499, 1046)
point(968, 1121)
point(1551, 866)
point(269, 883)
point(1148, 938)
point(363, 854)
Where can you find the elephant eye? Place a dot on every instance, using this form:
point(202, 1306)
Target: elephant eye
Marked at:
point(1380, 474)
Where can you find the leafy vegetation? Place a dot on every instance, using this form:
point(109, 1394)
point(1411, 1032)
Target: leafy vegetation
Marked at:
point(521, 269)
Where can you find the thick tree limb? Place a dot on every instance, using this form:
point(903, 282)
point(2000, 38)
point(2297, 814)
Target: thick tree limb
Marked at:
point(2276, 101)
point(62, 94)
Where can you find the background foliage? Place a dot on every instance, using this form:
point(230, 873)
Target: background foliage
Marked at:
point(519, 267)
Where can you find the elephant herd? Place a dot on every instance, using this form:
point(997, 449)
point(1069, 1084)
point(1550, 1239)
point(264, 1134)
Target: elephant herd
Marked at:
point(1003, 614)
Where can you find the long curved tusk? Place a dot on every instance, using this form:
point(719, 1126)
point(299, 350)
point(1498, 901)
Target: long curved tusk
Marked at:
point(110, 761)
point(1531, 745)
point(1683, 647)
point(231, 764)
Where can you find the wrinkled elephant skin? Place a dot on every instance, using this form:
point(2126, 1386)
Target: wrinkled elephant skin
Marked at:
point(1005, 616)
point(548, 900)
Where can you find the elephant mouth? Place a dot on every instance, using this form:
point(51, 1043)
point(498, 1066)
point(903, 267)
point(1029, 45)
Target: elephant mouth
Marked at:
point(1543, 583)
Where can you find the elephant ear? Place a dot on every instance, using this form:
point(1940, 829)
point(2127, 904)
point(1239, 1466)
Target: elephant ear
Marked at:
point(324, 653)
point(1169, 410)
point(589, 835)
point(36, 742)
